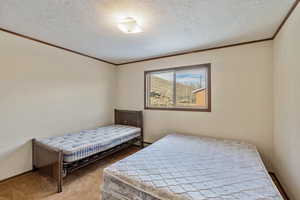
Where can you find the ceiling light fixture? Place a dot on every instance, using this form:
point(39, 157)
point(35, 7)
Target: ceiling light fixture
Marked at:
point(129, 25)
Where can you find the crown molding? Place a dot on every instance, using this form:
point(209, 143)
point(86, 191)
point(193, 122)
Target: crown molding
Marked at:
point(54, 45)
point(286, 18)
point(196, 51)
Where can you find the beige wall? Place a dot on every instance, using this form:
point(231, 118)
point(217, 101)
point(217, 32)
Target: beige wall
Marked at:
point(46, 91)
point(287, 105)
point(242, 96)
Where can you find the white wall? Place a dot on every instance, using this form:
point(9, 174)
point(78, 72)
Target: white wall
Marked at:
point(287, 105)
point(242, 96)
point(46, 91)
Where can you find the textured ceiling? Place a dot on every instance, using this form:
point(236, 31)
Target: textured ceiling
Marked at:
point(170, 26)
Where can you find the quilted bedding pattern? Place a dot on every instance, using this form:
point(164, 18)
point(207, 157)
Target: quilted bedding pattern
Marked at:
point(76, 146)
point(180, 167)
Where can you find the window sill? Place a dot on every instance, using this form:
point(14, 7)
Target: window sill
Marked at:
point(180, 109)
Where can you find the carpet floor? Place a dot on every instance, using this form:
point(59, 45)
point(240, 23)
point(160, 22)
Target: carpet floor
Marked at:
point(83, 184)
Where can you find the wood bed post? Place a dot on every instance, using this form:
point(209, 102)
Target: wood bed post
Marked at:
point(49, 161)
point(142, 128)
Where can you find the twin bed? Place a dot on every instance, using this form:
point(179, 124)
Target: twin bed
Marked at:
point(60, 155)
point(177, 167)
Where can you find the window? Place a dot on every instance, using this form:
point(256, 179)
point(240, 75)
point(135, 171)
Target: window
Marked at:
point(181, 88)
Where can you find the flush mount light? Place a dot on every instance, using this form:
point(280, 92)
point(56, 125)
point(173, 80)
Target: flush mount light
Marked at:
point(129, 25)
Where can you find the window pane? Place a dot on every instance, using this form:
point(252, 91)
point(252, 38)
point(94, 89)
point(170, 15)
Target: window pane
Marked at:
point(191, 88)
point(161, 89)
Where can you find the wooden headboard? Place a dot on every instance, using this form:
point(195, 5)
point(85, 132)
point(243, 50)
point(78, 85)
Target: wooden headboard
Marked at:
point(129, 117)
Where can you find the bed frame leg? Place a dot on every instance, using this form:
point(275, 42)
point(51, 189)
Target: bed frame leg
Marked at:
point(59, 173)
point(34, 168)
point(141, 143)
point(59, 186)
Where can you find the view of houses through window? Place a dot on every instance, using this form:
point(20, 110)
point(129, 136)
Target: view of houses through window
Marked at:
point(185, 87)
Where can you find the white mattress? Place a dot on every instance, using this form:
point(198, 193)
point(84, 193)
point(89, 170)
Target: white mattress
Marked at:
point(76, 146)
point(180, 167)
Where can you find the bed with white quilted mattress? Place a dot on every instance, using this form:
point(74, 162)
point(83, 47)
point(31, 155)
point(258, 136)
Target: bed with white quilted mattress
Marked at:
point(76, 146)
point(180, 167)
